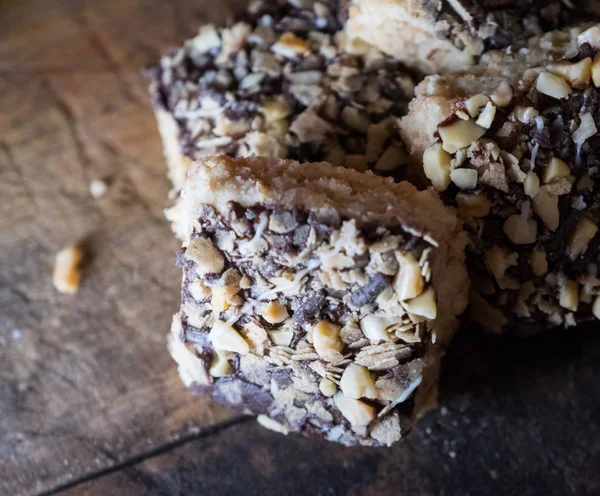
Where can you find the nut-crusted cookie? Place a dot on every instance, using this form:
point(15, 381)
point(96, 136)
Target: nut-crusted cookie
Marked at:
point(319, 297)
point(282, 81)
point(520, 159)
point(449, 35)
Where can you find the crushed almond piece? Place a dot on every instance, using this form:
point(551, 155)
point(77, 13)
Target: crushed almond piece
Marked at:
point(436, 165)
point(356, 382)
point(553, 85)
point(460, 134)
point(569, 295)
point(580, 239)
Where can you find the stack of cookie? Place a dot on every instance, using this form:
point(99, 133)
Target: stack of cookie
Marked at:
point(320, 286)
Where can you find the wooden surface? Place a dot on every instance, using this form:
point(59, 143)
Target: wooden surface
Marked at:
point(90, 402)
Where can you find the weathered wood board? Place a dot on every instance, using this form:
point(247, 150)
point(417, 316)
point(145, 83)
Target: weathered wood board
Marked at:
point(85, 380)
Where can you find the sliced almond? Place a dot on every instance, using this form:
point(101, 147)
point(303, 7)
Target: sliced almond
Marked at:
point(521, 230)
point(553, 85)
point(460, 134)
point(275, 313)
point(326, 339)
point(473, 205)
point(578, 74)
point(358, 413)
point(569, 296)
point(545, 205)
point(531, 185)
point(356, 382)
point(556, 168)
point(580, 239)
point(436, 165)
point(224, 337)
point(423, 305)
point(409, 282)
point(464, 178)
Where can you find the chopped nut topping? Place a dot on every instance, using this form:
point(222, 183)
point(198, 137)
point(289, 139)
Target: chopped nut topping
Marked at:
point(275, 110)
point(375, 328)
point(460, 134)
point(556, 168)
point(578, 74)
point(569, 295)
point(326, 339)
point(502, 95)
point(553, 85)
point(274, 312)
point(290, 46)
point(586, 129)
point(327, 387)
point(596, 70)
point(281, 337)
point(473, 204)
point(220, 366)
point(226, 338)
point(206, 39)
point(545, 205)
point(206, 256)
point(596, 306)
point(539, 264)
point(408, 283)
point(356, 382)
point(423, 305)
point(268, 423)
point(499, 259)
point(531, 185)
point(464, 178)
point(520, 229)
point(66, 275)
point(580, 239)
point(525, 114)
point(474, 103)
point(436, 165)
point(358, 413)
point(487, 116)
point(391, 159)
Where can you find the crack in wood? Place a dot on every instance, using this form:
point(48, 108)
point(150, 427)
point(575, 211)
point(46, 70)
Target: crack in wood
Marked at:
point(146, 455)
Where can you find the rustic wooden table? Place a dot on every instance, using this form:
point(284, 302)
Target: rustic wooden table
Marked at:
point(90, 402)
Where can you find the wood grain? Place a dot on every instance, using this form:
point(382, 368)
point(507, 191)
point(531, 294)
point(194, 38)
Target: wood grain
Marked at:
point(517, 417)
point(85, 380)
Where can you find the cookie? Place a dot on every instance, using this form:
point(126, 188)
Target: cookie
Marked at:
point(318, 297)
point(519, 156)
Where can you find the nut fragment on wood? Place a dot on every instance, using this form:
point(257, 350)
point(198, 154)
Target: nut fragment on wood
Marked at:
point(67, 275)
